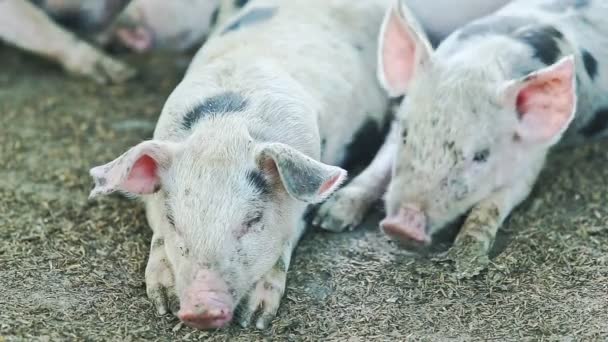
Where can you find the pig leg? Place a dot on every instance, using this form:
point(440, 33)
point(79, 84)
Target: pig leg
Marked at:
point(474, 241)
point(27, 27)
point(263, 301)
point(160, 281)
point(348, 206)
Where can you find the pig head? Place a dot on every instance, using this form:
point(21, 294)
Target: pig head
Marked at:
point(226, 211)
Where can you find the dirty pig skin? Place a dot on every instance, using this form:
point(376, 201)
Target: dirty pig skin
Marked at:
point(480, 115)
point(243, 144)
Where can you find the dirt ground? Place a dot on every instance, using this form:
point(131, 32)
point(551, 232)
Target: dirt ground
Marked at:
point(71, 269)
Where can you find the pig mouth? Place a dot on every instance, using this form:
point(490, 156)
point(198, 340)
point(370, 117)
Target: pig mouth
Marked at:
point(206, 303)
point(211, 310)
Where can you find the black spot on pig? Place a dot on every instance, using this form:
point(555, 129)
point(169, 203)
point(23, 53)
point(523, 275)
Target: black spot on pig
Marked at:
point(252, 17)
point(240, 3)
point(169, 214)
point(563, 5)
point(597, 124)
point(223, 103)
point(280, 266)
point(590, 63)
point(364, 144)
point(158, 243)
point(257, 179)
point(156, 188)
point(214, 16)
point(544, 41)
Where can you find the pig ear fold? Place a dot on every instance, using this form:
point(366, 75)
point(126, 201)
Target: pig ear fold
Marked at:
point(134, 172)
point(304, 178)
point(545, 102)
point(403, 49)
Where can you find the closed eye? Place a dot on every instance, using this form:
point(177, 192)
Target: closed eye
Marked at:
point(253, 220)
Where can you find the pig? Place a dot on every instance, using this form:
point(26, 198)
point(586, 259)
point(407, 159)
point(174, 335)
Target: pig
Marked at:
point(249, 138)
point(166, 25)
point(347, 208)
point(482, 112)
point(28, 27)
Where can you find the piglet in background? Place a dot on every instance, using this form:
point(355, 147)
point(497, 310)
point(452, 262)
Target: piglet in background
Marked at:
point(147, 25)
point(481, 113)
point(158, 24)
point(244, 143)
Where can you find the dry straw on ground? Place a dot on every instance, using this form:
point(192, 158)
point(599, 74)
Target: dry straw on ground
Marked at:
point(73, 270)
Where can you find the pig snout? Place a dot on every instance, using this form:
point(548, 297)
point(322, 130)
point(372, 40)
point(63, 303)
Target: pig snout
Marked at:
point(137, 38)
point(206, 303)
point(409, 224)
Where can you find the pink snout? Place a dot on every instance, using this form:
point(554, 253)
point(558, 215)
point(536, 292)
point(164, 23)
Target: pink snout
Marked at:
point(206, 303)
point(138, 38)
point(408, 224)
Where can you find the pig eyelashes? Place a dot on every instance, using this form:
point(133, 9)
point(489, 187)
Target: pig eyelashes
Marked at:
point(254, 219)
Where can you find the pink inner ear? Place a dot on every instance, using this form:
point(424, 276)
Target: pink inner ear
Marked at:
point(143, 178)
point(545, 105)
point(398, 54)
point(330, 184)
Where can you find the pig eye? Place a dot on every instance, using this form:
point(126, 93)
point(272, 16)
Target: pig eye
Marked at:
point(481, 156)
point(255, 219)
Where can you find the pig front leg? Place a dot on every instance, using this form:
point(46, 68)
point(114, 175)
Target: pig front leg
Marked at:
point(476, 238)
point(262, 303)
point(160, 280)
point(27, 27)
point(349, 205)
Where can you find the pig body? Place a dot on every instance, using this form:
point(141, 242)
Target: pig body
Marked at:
point(28, 27)
point(243, 145)
point(481, 113)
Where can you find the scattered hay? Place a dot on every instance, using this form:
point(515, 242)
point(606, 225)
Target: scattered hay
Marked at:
point(74, 270)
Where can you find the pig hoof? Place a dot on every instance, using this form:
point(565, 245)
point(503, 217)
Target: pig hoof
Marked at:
point(343, 211)
point(164, 299)
point(160, 284)
point(262, 304)
point(87, 61)
point(470, 259)
point(115, 71)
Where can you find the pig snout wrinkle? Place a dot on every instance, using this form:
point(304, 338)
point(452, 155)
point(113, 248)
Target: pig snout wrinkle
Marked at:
point(206, 310)
point(206, 303)
point(408, 224)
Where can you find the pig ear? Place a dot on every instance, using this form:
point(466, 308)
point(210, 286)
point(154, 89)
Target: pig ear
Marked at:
point(545, 102)
point(403, 49)
point(304, 178)
point(134, 172)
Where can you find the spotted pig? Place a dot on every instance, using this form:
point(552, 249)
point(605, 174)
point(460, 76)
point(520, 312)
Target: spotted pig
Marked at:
point(481, 112)
point(243, 144)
